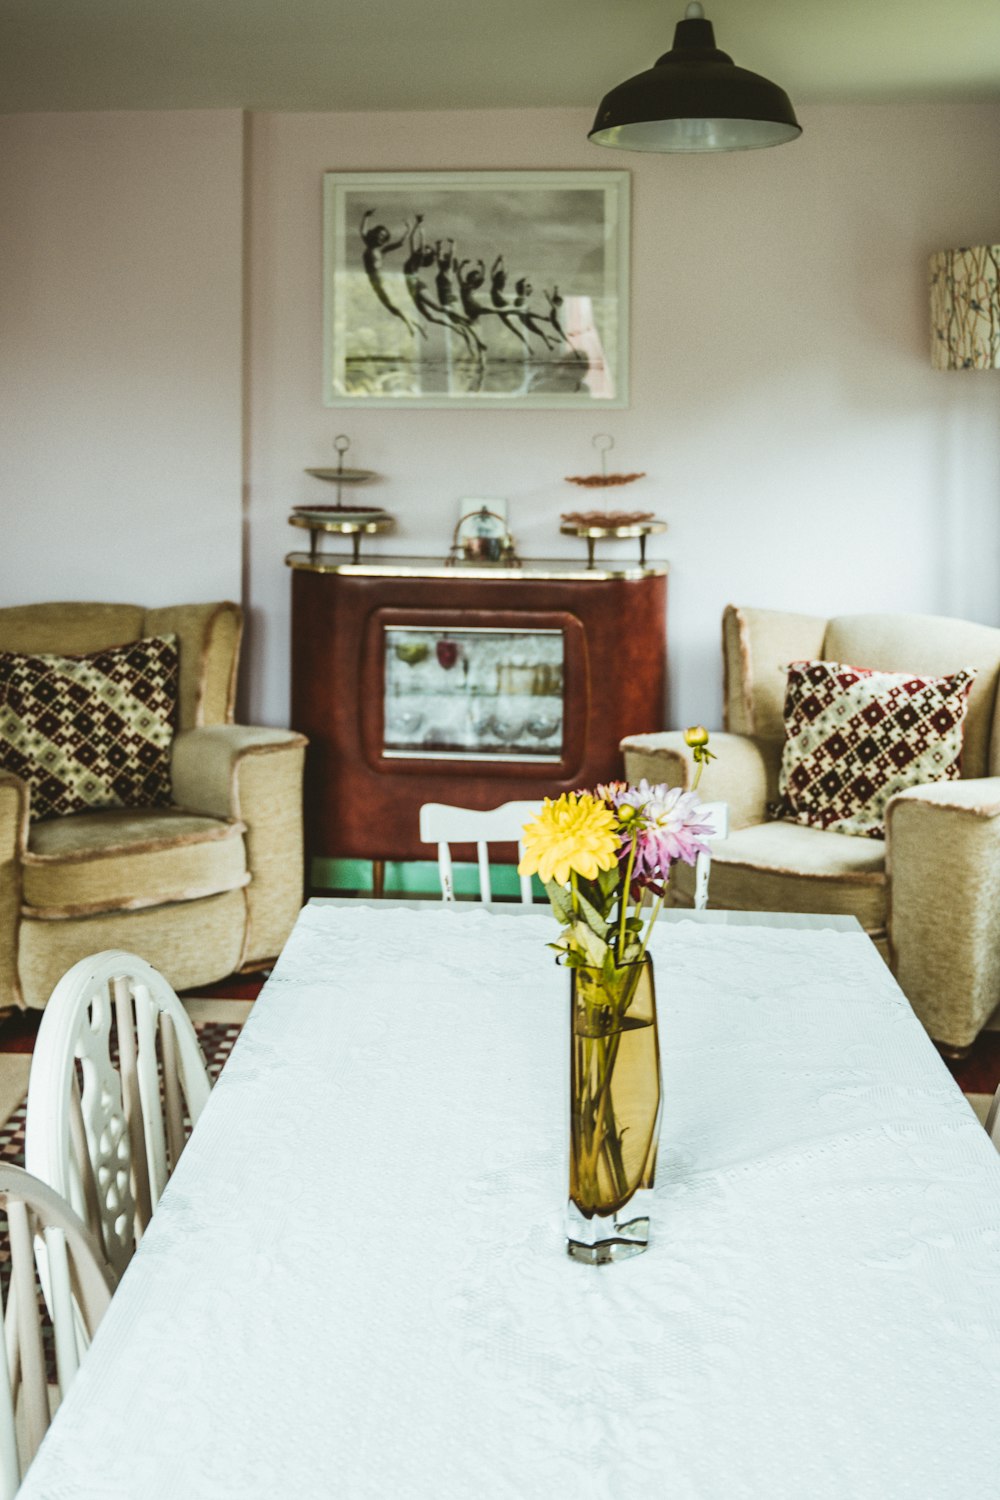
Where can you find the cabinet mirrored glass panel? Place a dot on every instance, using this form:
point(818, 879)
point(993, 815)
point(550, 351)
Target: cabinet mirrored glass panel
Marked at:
point(476, 694)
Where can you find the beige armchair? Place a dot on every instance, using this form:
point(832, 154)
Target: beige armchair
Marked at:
point(200, 889)
point(929, 894)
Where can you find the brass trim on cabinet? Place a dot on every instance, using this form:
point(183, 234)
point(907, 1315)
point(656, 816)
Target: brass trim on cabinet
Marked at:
point(553, 570)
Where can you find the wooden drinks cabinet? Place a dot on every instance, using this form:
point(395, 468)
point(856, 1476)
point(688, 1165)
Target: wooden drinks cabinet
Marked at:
point(418, 682)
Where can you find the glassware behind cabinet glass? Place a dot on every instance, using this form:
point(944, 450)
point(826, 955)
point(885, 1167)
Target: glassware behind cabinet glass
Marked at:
point(476, 693)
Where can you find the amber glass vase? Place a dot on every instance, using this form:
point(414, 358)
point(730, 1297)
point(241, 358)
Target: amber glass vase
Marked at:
point(614, 1111)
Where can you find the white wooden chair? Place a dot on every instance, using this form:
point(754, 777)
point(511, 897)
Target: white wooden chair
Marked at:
point(109, 1145)
point(717, 814)
point(80, 1285)
point(993, 1120)
point(444, 825)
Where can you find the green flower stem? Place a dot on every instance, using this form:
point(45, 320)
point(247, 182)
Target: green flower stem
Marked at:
point(574, 894)
point(611, 1146)
point(626, 887)
point(699, 766)
point(652, 923)
point(605, 1049)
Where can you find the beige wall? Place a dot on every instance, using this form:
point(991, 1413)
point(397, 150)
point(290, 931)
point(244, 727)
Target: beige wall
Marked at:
point(783, 406)
point(795, 437)
point(120, 356)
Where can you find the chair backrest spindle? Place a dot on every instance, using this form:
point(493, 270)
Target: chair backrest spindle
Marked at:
point(148, 1080)
point(445, 873)
point(524, 881)
point(132, 1101)
point(716, 814)
point(34, 1387)
point(172, 1090)
point(82, 1193)
point(10, 1467)
point(63, 1314)
point(485, 888)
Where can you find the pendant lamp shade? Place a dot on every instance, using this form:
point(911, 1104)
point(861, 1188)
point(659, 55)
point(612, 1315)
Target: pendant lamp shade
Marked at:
point(965, 308)
point(695, 99)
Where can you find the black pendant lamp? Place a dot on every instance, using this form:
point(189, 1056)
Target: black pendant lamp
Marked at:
point(695, 99)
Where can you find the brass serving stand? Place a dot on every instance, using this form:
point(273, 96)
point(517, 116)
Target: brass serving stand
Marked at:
point(593, 534)
point(341, 520)
point(354, 529)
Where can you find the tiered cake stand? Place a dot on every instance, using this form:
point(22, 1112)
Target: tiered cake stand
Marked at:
point(339, 519)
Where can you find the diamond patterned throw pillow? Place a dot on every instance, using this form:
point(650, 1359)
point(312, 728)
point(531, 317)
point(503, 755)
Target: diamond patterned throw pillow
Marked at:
point(854, 737)
point(90, 731)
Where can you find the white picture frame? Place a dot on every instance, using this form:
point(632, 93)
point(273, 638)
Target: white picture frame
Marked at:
point(477, 289)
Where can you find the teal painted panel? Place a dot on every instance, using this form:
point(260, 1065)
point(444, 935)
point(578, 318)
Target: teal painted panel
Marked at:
point(415, 878)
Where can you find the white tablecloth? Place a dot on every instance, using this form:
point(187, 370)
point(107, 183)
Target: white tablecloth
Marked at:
point(356, 1284)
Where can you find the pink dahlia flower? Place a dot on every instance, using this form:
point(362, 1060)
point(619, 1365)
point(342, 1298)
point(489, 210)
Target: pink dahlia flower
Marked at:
point(667, 828)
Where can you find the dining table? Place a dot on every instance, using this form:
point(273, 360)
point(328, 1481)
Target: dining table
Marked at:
point(356, 1283)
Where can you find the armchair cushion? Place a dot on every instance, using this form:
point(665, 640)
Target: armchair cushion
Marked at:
point(90, 731)
point(854, 737)
point(124, 860)
point(785, 867)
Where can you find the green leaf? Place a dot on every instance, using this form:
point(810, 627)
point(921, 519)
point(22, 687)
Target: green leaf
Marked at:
point(593, 917)
point(560, 901)
point(608, 882)
point(589, 943)
point(591, 891)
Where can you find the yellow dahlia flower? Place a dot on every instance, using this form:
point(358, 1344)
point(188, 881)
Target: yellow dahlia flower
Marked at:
point(576, 832)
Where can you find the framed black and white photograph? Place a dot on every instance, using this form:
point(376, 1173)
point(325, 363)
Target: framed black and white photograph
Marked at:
point(476, 288)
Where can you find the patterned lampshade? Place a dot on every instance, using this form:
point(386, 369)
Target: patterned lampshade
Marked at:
point(965, 308)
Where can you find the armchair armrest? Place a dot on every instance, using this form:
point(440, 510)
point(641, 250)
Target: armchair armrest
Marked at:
point(943, 866)
point(744, 775)
point(14, 797)
point(254, 774)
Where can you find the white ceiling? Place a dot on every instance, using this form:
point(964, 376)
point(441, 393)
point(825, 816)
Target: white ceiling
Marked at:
point(442, 54)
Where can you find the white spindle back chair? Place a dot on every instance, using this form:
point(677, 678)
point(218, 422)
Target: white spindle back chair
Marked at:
point(80, 1284)
point(993, 1120)
point(109, 1146)
point(442, 824)
point(716, 814)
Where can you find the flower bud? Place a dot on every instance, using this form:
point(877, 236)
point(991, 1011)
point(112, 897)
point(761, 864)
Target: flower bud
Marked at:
point(696, 736)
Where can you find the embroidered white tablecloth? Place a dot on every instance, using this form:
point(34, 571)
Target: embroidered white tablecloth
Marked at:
point(356, 1283)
